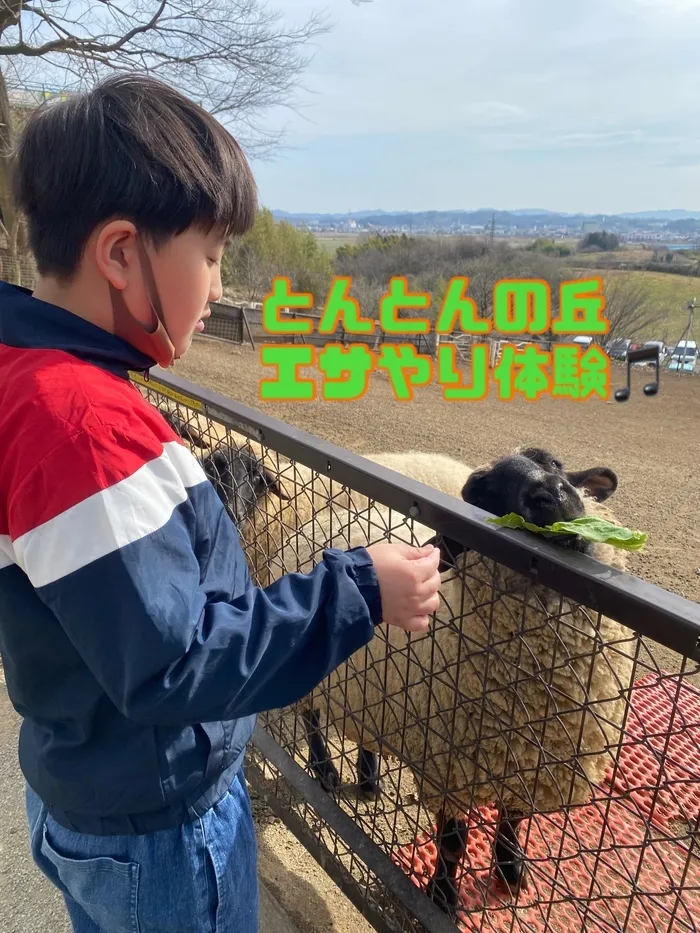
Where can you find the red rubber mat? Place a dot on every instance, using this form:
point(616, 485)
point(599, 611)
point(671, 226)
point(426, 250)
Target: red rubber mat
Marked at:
point(605, 866)
point(663, 726)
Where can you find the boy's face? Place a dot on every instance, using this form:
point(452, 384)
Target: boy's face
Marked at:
point(187, 271)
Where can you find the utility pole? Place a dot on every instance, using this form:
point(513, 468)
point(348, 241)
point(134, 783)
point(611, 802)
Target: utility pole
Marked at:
point(686, 335)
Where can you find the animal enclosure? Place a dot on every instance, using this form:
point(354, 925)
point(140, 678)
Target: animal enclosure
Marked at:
point(528, 760)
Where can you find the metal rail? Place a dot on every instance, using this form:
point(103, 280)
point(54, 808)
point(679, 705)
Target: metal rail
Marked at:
point(647, 609)
point(396, 882)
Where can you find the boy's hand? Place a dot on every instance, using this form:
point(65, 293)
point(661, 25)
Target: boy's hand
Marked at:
point(408, 583)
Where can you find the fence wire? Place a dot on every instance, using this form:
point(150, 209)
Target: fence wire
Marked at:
point(527, 765)
point(226, 323)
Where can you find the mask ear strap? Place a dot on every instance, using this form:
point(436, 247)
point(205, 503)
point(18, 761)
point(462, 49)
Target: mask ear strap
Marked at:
point(155, 343)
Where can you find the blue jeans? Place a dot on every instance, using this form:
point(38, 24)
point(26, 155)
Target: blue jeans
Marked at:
point(197, 878)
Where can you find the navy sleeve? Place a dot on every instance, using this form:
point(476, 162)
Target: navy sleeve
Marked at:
point(149, 581)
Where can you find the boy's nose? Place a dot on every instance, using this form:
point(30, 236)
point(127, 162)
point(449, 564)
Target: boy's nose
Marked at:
point(216, 290)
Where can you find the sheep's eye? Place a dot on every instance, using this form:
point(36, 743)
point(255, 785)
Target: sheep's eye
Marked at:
point(556, 465)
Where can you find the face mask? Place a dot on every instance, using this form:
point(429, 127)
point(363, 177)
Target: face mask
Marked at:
point(155, 342)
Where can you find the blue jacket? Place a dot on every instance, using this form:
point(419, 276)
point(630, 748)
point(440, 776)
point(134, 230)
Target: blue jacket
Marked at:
point(134, 644)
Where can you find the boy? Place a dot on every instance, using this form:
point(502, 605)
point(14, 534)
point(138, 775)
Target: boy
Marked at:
point(135, 646)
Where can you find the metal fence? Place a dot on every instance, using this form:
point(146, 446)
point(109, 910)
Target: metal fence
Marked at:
point(226, 323)
point(539, 767)
point(243, 324)
point(24, 265)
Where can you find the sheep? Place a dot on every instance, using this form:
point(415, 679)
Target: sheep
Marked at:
point(435, 470)
point(276, 529)
point(270, 497)
point(569, 663)
point(283, 520)
point(238, 475)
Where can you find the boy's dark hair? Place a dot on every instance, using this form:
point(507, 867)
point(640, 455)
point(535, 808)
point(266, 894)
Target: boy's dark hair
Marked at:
point(131, 147)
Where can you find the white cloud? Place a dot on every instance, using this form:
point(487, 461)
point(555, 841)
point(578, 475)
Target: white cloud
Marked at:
point(491, 113)
point(460, 80)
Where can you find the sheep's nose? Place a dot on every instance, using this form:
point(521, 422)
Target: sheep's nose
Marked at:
point(552, 502)
point(542, 505)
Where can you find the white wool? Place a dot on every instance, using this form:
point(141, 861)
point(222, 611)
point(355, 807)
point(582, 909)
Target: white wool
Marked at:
point(533, 716)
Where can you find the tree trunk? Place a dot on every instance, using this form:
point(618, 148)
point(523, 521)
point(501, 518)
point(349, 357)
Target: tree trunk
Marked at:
point(11, 221)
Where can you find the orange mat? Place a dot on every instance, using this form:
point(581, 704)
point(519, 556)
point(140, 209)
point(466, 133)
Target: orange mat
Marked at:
point(614, 863)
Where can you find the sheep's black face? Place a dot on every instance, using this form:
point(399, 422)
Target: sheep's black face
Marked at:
point(534, 484)
point(240, 480)
point(519, 484)
point(598, 482)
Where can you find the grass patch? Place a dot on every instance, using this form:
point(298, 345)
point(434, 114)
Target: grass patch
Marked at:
point(671, 294)
point(331, 241)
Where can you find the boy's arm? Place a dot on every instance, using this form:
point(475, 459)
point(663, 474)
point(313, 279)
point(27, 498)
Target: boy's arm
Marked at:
point(116, 566)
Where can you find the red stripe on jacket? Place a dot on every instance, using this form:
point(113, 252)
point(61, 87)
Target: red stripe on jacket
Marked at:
point(52, 404)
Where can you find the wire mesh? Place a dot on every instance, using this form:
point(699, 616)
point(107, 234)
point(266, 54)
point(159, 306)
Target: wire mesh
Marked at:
point(527, 765)
point(20, 269)
point(226, 323)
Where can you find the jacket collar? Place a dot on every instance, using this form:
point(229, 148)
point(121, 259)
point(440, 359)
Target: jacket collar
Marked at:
point(29, 323)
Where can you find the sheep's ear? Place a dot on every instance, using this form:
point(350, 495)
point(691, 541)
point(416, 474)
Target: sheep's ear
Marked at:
point(476, 490)
point(599, 482)
point(186, 432)
point(194, 437)
point(216, 465)
point(449, 551)
point(274, 486)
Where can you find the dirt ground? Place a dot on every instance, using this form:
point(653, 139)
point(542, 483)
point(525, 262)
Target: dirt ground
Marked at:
point(651, 443)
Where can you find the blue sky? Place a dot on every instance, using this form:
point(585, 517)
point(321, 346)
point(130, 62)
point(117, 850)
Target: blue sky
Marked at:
point(574, 106)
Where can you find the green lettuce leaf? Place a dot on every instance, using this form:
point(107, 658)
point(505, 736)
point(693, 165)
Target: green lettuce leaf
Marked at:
point(588, 527)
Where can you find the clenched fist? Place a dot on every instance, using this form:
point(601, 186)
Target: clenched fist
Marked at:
point(408, 583)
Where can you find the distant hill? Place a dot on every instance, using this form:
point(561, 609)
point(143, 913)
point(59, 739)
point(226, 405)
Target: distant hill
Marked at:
point(665, 215)
point(482, 217)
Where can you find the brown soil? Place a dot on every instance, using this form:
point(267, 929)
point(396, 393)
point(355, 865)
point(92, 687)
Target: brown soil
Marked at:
point(652, 444)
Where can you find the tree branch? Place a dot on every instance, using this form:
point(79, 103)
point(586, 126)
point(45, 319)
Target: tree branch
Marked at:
point(85, 46)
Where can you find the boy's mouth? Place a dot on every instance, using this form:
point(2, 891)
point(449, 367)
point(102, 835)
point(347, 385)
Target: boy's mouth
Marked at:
point(199, 326)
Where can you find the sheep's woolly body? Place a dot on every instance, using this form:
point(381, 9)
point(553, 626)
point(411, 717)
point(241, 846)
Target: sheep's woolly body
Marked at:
point(539, 699)
point(536, 714)
point(435, 470)
point(281, 530)
point(286, 535)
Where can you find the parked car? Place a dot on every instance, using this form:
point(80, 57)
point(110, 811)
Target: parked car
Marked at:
point(684, 357)
point(617, 349)
point(663, 352)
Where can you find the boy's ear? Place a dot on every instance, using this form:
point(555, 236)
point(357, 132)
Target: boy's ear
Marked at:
point(115, 252)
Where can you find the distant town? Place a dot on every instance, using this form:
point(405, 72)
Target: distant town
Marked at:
point(678, 229)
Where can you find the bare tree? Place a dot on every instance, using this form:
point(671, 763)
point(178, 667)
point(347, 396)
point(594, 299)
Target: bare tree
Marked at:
point(253, 272)
point(628, 308)
point(236, 57)
point(368, 295)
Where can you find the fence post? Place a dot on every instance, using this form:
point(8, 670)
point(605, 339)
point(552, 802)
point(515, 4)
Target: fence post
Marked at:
point(247, 327)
